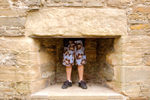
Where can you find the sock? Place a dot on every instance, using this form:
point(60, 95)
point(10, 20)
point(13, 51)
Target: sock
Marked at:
point(70, 81)
point(80, 81)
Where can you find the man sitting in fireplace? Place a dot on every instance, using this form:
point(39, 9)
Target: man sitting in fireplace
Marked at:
point(74, 55)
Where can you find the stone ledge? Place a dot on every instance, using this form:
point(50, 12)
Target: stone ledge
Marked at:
point(76, 22)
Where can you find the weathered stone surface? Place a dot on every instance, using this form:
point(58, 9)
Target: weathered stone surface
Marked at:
point(135, 73)
point(11, 13)
point(142, 9)
point(114, 58)
point(51, 3)
point(140, 27)
point(132, 58)
point(23, 70)
point(118, 3)
point(27, 65)
point(133, 79)
point(137, 18)
point(94, 3)
point(16, 28)
point(133, 49)
point(11, 31)
point(7, 59)
point(35, 4)
point(22, 87)
point(18, 59)
point(39, 84)
point(15, 22)
point(74, 3)
point(18, 44)
point(27, 5)
point(146, 59)
point(24, 5)
point(94, 92)
point(4, 4)
point(135, 41)
point(47, 65)
point(76, 22)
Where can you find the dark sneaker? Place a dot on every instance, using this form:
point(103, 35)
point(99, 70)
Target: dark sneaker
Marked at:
point(82, 84)
point(66, 84)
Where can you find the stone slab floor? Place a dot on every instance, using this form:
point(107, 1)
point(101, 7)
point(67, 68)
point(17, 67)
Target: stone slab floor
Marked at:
point(94, 92)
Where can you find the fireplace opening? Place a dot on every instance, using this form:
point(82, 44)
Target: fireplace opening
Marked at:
point(97, 69)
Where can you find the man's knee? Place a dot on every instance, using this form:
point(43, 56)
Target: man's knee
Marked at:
point(80, 66)
point(68, 67)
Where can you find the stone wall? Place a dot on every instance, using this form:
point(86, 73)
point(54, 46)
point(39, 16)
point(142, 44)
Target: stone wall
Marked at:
point(20, 56)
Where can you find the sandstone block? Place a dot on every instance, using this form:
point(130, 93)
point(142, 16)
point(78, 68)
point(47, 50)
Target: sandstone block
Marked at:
point(19, 74)
point(50, 3)
point(94, 3)
point(4, 4)
point(7, 75)
point(19, 44)
point(131, 89)
point(21, 56)
point(11, 13)
point(33, 2)
point(138, 32)
point(19, 66)
point(128, 50)
point(91, 54)
point(132, 79)
point(135, 74)
point(139, 98)
point(140, 27)
point(25, 5)
point(142, 9)
point(22, 87)
point(146, 60)
point(117, 76)
point(73, 3)
point(133, 43)
point(107, 73)
point(8, 59)
point(148, 16)
point(114, 58)
point(6, 88)
point(118, 3)
point(12, 31)
point(76, 22)
point(132, 58)
point(39, 84)
point(15, 22)
point(136, 18)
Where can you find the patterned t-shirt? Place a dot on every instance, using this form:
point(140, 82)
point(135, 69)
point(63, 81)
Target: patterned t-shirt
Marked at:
point(66, 41)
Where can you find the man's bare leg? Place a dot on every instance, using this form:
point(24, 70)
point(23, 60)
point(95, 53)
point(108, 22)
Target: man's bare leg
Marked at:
point(68, 72)
point(80, 72)
point(68, 82)
point(82, 83)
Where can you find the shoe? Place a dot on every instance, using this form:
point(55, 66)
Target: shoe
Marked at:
point(82, 84)
point(66, 84)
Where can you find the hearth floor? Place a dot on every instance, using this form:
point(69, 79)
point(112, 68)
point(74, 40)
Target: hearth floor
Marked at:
point(94, 92)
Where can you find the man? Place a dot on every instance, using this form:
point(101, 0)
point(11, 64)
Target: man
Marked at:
point(74, 54)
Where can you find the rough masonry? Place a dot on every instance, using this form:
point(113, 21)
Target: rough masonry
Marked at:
point(24, 61)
